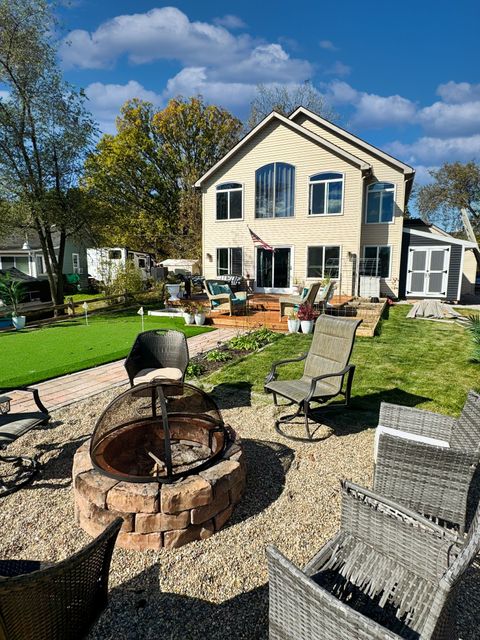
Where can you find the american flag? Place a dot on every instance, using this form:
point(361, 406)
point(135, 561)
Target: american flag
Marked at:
point(257, 240)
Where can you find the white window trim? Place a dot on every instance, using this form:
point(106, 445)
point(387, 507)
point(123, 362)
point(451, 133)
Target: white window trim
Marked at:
point(218, 189)
point(381, 201)
point(273, 216)
point(290, 275)
point(325, 246)
point(377, 247)
point(76, 269)
point(229, 249)
point(326, 182)
point(429, 247)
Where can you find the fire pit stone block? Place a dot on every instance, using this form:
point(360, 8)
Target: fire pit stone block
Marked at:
point(151, 522)
point(174, 539)
point(134, 496)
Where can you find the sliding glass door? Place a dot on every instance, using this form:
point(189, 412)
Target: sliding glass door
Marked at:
point(273, 270)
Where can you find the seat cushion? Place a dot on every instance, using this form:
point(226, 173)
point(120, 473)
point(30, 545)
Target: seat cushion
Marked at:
point(167, 373)
point(238, 300)
point(298, 390)
point(14, 425)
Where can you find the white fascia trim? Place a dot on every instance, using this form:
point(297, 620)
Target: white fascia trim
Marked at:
point(407, 169)
point(361, 164)
point(450, 239)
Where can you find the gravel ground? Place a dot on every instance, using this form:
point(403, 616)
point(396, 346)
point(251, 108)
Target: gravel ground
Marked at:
point(216, 588)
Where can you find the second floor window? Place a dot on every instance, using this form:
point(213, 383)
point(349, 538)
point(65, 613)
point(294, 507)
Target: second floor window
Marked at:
point(326, 194)
point(274, 190)
point(229, 201)
point(380, 202)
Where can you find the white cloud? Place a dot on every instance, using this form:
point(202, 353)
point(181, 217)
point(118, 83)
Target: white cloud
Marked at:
point(230, 22)
point(339, 92)
point(380, 111)
point(459, 92)
point(452, 119)
point(328, 45)
point(194, 80)
point(435, 151)
point(338, 69)
point(105, 100)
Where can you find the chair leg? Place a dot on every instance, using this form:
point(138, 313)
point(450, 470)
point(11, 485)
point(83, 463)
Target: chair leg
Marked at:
point(306, 408)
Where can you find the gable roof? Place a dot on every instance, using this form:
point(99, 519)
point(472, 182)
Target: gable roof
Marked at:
point(405, 168)
point(361, 164)
point(441, 237)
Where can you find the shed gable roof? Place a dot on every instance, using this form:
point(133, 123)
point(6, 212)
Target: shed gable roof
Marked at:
point(274, 116)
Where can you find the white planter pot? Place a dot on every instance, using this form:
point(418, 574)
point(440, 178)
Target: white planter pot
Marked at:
point(19, 322)
point(173, 290)
point(189, 318)
point(199, 319)
point(307, 326)
point(296, 290)
point(293, 325)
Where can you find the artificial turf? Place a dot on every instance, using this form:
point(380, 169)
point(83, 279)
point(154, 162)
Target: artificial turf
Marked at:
point(32, 355)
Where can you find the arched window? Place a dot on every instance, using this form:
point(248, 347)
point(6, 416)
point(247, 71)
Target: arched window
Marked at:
point(274, 190)
point(229, 201)
point(326, 194)
point(380, 202)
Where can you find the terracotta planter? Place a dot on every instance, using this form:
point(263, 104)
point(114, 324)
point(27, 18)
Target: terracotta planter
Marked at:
point(293, 325)
point(307, 326)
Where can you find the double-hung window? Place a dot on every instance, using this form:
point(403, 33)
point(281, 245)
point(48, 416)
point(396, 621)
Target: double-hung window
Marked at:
point(377, 261)
point(275, 190)
point(230, 261)
point(323, 262)
point(380, 202)
point(229, 201)
point(326, 194)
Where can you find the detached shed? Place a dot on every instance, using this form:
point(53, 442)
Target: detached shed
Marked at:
point(434, 264)
point(181, 266)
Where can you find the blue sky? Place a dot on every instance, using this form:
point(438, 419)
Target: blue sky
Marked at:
point(403, 77)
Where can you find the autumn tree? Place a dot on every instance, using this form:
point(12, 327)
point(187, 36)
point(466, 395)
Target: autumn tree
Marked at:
point(144, 175)
point(455, 186)
point(45, 131)
point(284, 99)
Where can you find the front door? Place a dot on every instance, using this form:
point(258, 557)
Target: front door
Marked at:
point(427, 274)
point(273, 270)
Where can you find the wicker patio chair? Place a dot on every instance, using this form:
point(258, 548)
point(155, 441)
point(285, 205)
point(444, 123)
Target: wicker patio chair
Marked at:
point(326, 366)
point(427, 461)
point(222, 298)
point(12, 426)
point(43, 601)
point(157, 354)
point(308, 297)
point(388, 573)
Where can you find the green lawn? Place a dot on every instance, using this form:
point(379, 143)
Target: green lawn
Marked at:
point(77, 297)
point(413, 362)
point(32, 355)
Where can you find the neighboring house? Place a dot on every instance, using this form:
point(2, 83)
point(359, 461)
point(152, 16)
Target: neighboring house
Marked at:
point(23, 251)
point(104, 261)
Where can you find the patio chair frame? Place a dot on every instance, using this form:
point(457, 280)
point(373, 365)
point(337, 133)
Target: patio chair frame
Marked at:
point(309, 297)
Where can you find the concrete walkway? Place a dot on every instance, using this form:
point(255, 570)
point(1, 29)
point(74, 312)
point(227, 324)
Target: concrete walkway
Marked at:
point(62, 391)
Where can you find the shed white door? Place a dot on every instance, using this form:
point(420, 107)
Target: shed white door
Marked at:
point(427, 271)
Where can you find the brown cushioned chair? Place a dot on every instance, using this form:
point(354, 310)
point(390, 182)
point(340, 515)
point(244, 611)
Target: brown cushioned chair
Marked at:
point(157, 354)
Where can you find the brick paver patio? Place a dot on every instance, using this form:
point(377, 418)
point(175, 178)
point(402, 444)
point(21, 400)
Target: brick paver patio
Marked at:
point(62, 391)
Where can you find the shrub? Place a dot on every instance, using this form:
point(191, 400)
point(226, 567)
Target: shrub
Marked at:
point(305, 312)
point(126, 278)
point(474, 329)
point(194, 369)
point(253, 340)
point(218, 355)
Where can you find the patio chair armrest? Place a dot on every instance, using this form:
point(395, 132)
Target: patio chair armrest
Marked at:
point(241, 295)
point(349, 369)
point(273, 371)
point(431, 479)
point(416, 421)
point(36, 396)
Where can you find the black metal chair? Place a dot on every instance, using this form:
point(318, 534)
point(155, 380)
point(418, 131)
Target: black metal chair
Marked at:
point(42, 601)
point(12, 426)
point(157, 354)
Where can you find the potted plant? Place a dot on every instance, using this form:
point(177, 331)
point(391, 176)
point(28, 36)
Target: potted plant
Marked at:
point(199, 314)
point(306, 316)
point(189, 314)
point(172, 283)
point(293, 321)
point(12, 292)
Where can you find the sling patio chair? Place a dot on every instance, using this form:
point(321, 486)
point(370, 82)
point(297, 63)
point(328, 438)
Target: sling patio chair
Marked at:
point(222, 298)
point(326, 367)
point(43, 601)
point(13, 425)
point(308, 297)
point(427, 461)
point(157, 354)
point(388, 574)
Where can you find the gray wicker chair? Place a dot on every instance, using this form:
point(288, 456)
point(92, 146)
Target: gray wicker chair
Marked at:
point(388, 573)
point(308, 297)
point(12, 426)
point(42, 601)
point(326, 367)
point(427, 461)
point(157, 354)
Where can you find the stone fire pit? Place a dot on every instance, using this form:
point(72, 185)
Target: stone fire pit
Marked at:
point(161, 458)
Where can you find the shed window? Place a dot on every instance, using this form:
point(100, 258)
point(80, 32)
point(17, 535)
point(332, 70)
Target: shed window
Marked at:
point(116, 254)
point(380, 202)
point(229, 201)
point(274, 190)
point(326, 194)
point(323, 262)
point(230, 261)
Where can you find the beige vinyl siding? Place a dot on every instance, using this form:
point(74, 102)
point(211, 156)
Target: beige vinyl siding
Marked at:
point(278, 143)
point(469, 274)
